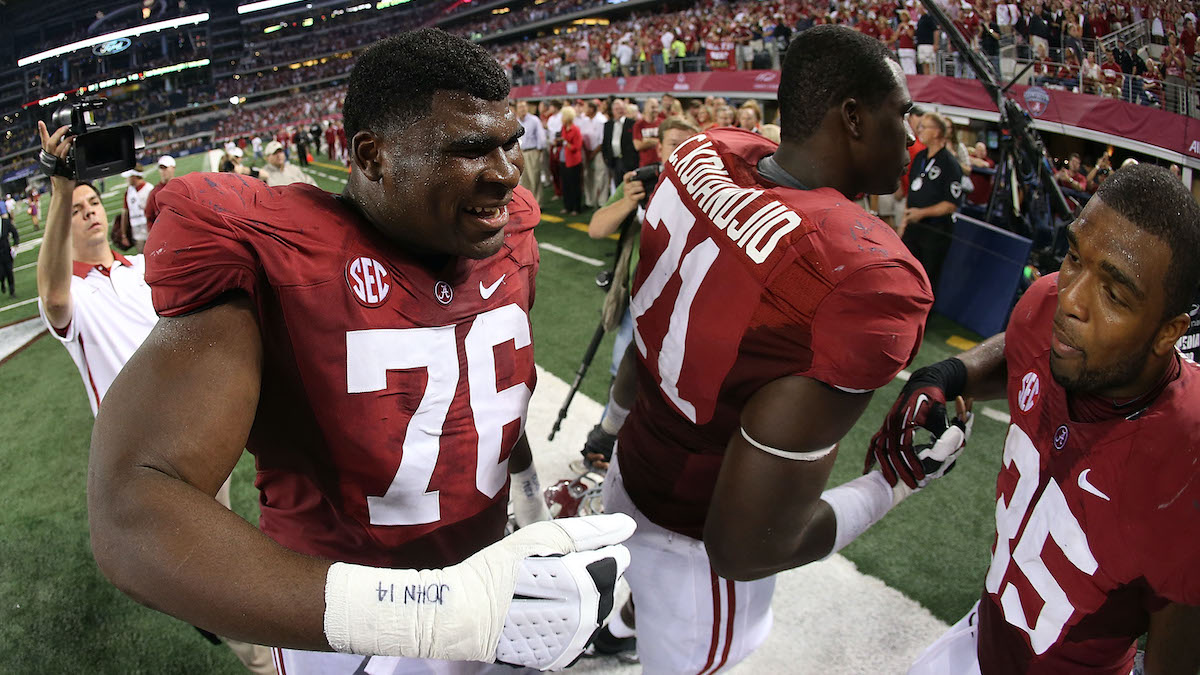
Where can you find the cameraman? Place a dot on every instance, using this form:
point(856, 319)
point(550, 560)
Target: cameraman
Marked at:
point(90, 295)
point(1099, 173)
point(631, 196)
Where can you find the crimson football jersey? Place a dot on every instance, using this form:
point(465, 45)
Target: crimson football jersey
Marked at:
point(392, 393)
point(1096, 523)
point(741, 282)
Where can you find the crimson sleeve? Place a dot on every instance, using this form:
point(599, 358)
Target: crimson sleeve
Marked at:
point(194, 253)
point(869, 328)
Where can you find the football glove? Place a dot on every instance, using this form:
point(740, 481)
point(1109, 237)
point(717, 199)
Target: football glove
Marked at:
point(937, 457)
point(532, 599)
point(921, 405)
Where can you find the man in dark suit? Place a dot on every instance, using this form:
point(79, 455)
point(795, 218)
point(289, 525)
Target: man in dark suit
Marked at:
point(623, 157)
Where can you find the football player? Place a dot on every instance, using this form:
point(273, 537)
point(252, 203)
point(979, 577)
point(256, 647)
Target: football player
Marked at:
point(372, 349)
point(1098, 497)
point(767, 307)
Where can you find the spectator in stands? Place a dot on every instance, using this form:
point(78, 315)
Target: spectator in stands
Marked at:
point(1174, 65)
point(90, 294)
point(166, 171)
point(927, 35)
point(935, 193)
point(905, 43)
point(1187, 37)
point(701, 117)
point(1112, 79)
point(989, 38)
point(1152, 86)
point(278, 171)
point(571, 172)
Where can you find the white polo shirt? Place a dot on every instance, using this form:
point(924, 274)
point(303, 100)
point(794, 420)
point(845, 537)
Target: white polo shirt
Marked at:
point(111, 314)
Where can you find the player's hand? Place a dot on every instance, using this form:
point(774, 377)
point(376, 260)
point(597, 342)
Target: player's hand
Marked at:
point(938, 459)
point(921, 405)
point(562, 590)
point(635, 190)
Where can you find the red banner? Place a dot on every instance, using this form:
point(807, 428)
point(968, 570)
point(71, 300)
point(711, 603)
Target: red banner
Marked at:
point(1152, 126)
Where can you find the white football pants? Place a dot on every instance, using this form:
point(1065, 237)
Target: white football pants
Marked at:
point(689, 620)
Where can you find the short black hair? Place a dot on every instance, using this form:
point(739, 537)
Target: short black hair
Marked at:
point(393, 83)
point(89, 184)
point(824, 66)
point(1154, 200)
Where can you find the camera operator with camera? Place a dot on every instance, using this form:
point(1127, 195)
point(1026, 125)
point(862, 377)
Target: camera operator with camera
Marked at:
point(90, 295)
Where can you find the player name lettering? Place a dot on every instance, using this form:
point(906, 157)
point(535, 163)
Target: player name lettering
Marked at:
point(754, 226)
point(417, 594)
point(1189, 342)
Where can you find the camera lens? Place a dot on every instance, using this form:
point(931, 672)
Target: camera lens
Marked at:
point(60, 118)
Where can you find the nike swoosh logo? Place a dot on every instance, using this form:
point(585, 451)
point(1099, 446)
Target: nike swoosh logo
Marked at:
point(1088, 487)
point(486, 291)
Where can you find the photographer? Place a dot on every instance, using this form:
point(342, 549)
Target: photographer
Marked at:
point(90, 295)
point(1099, 173)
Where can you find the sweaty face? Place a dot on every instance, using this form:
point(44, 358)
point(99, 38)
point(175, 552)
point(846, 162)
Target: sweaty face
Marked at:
point(1110, 304)
point(448, 178)
point(89, 222)
point(882, 156)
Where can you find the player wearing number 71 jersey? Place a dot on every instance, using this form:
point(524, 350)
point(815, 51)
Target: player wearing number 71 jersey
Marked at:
point(767, 307)
point(1098, 498)
point(372, 350)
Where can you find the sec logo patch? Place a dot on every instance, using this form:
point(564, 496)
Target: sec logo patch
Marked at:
point(1031, 388)
point(367, 279)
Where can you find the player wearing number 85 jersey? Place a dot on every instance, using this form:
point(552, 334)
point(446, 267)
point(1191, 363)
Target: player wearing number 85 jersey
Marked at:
point(372, 350)
point(1098, 497)
point(767, 306)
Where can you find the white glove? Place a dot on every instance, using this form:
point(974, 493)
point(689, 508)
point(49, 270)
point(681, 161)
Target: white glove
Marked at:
point(532, 599)
point(528, 500)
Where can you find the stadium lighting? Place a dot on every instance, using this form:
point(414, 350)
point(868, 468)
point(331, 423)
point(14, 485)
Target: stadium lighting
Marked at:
point(264, 4)
point(99, 39)
point(234, 100)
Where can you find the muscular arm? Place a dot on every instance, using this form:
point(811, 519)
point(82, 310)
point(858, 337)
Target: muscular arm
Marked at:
point(1173, 647)
point(172, 427)
point(766, 514)
point(987, 369)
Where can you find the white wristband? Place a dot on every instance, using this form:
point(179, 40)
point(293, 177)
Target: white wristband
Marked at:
point(857, 505)
point(529, 502)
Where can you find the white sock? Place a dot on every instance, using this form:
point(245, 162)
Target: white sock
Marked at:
point(614, 417)
point(618, 627)
point(858, 505)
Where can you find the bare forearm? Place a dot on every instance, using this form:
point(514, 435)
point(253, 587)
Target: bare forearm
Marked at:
point(173, 548)
point(607, 219)
point(54, 256)
point(987, 371)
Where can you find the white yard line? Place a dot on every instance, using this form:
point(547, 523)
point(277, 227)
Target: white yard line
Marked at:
point(570, 254)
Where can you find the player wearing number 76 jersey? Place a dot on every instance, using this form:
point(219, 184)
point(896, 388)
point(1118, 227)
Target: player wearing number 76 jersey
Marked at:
point(1098, 498)
point(767, 307)
point(372, 350)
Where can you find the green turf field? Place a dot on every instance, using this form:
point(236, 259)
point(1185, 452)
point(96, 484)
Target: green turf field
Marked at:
point(59, 615)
